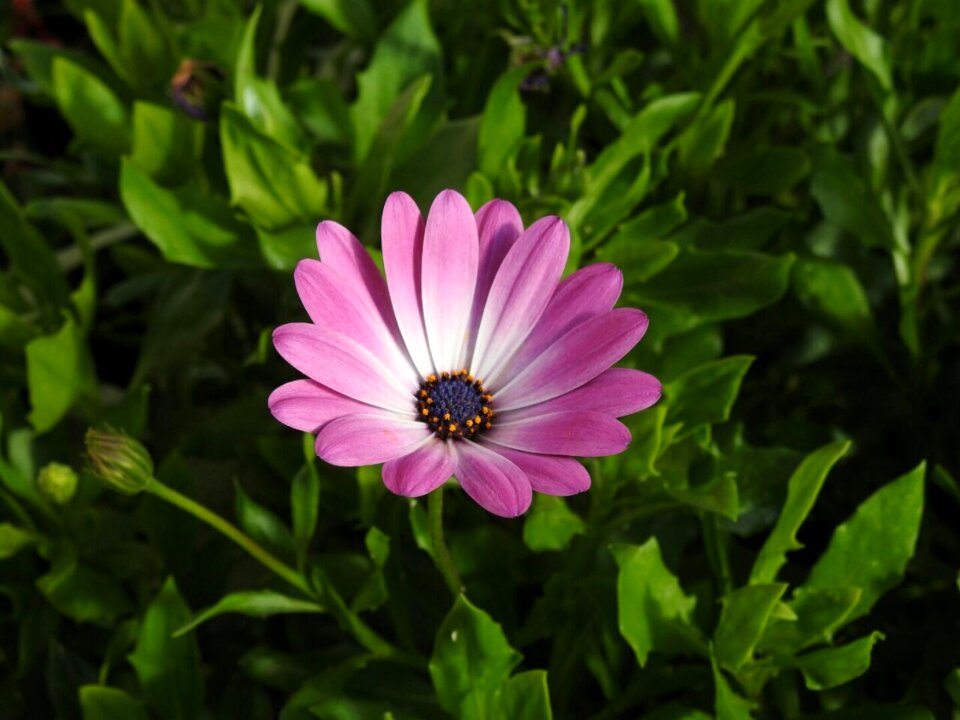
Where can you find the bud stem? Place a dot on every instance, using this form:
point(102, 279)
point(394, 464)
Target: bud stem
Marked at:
point(218, 523)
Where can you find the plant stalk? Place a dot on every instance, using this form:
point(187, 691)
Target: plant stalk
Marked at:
point(441, 553)
point(203, 514)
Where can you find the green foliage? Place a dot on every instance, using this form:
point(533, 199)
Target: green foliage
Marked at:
point(779, 183)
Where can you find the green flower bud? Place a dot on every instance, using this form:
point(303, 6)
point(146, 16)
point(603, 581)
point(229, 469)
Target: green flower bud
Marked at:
point(57, 482)
point(120, 461)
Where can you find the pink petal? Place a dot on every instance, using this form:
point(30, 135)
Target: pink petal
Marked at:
point(368, 439)
point(492, 481)
point(550, 474)
point(526, 280)
point(401, 235)
point(576, 358)
point(448, 277)
point(306, 405)
point(587, 293)
point(341, 250)
point(422, 471)
point(343, 365)
point(617, 392)
point(498, 226)
point(587, 434)
point(333, 304)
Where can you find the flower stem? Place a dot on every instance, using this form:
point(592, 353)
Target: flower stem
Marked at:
point(441, 553)
point(218, 523)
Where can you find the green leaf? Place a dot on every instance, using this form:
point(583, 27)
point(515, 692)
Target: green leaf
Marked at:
point(765, 171)
point(471, 661)
point(718, 495)
point(884, 529)
point(259, 99)
point(503, 123)
point(82, 593)
point(944, 198)
point(99, 702)
point(653, 611)
point(305, 498)
point(832, 290)
point(640, 258)
point(168, 667)
point(802, 491)
point(525, 696)
point(709, 286)
point(351, 17)
point(37, 57)
point(262, 524)
point(92, 109)
point(187, 224)
point(551, 525)
point(662, 18)
point(59, 372)
point(275, 186)
point(705, 395)
point(847, 202)
point(374, 592)
point(727, 703)
point(745, 615)
point(319, 105)
point(145, 45)
point(137, 49)
point(406, 52)
point(639, 138)
point(252, 603)
point(860, 41)
point(13, 540)
point(817, 613)
point(31, 259)
point(750, 231)
point(952, 685)
point(166, 144)
point(827, 668)
point(703, 142)
point(374, 171)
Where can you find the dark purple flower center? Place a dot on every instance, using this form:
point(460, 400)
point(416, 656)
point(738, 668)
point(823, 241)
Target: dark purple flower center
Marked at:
point(455, 405)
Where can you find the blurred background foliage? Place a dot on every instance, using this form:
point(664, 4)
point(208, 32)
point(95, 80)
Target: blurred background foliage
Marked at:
point(780, 183)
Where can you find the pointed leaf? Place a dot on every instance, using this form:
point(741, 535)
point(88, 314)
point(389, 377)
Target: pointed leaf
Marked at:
point(872, 548)
point(654, 613)
point(168, 667)
point(253, 603)
point(802, 491)
point(471, 661)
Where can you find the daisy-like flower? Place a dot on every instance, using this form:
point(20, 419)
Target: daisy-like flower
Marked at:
point(472, 359)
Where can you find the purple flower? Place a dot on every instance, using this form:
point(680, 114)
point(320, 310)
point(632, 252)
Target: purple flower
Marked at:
point(472, 359)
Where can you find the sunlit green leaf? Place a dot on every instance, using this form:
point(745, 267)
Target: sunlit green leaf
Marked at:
point(59, 372)
point(550, 525)
point(830, 667)
point(653, 610)
point(93, 110)
point(862, 42)
point(888, 519)
point(742, 622)
point(471, 661)
point(525, 697)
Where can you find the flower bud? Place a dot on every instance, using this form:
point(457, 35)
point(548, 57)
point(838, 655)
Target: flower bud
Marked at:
point(120, 461)
point(57, 482)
